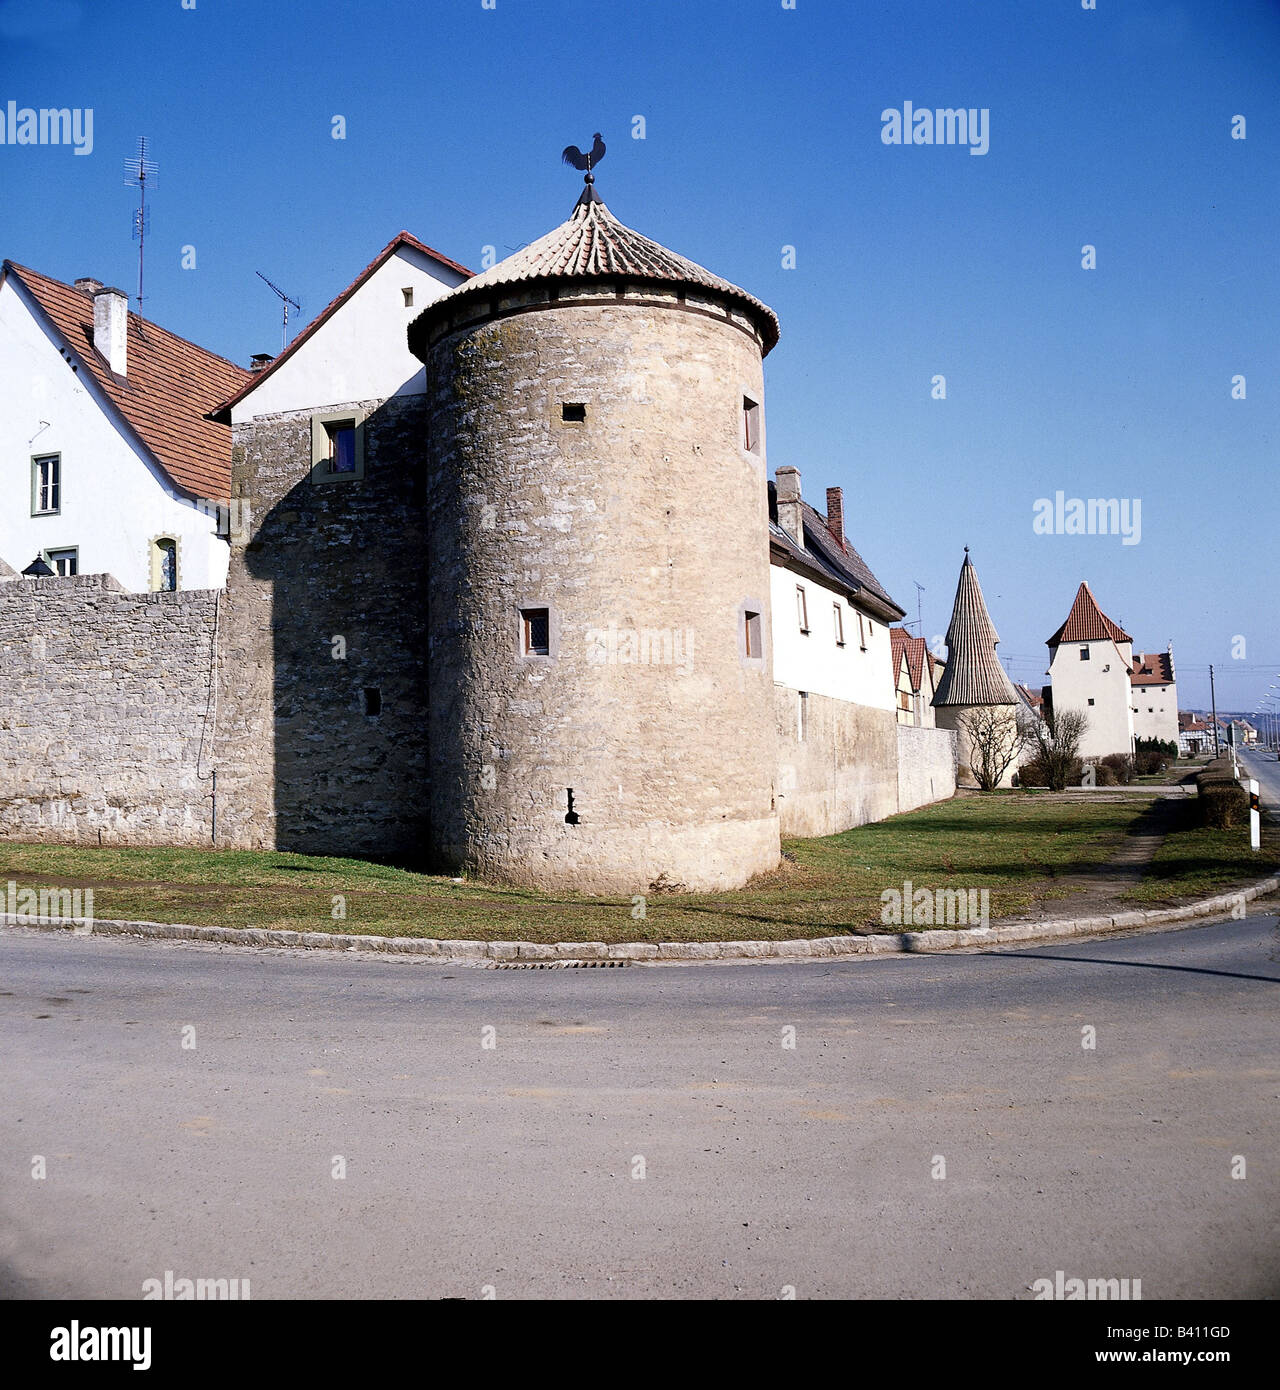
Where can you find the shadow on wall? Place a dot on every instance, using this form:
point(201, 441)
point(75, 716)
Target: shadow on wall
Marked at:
point(326, 642)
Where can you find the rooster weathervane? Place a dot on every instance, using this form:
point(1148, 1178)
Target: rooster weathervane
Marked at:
point(574, 156)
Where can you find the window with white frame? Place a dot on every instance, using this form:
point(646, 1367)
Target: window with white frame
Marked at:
point(802, 608)
point(46, 485)
point(65, 561)
point(838, 618)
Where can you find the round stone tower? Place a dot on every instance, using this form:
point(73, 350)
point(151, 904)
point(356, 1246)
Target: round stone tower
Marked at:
point(601, 711)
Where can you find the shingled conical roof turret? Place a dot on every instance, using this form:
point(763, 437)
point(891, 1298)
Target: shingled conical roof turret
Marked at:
point(593, 246)
point(973, 674)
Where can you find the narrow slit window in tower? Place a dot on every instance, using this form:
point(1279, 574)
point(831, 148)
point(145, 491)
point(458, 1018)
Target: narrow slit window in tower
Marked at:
point(535, 626)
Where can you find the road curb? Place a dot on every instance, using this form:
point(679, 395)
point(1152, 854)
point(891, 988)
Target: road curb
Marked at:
point(828, 947)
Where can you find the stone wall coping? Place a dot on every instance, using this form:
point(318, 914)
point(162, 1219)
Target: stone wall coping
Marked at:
point(822, 947)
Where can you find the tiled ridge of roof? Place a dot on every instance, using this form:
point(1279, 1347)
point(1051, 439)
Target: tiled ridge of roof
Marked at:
point(973, 674)
point(1151, 668)
point(845, 561)
point(1087, 622)
point(169, 386)
point(401, 238)
point(594, 245)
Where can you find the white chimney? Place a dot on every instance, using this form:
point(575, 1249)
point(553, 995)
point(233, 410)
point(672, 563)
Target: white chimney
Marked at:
point(790, 512)
point(111, 328)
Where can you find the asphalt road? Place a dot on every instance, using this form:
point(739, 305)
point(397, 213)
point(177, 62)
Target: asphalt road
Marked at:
point(1264, 767)
point(765, 1167)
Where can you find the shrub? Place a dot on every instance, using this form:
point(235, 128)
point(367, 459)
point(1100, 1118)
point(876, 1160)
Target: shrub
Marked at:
point(1104, 775)
point(1036, 774)
point(1120, 766)
point(1222, 801)
point(1150, 762)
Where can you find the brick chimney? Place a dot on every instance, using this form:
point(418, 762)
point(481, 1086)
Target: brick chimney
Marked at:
point(88, 284)
point(790, 513)
point(835, 514)
point(259, 360)
point(111, 327)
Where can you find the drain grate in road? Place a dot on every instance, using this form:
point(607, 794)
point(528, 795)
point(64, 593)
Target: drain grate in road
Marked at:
point(556, 964)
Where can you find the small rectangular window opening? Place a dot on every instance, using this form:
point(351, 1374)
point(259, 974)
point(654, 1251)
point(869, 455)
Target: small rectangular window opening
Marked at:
point(1091, 699)
point(408, 296)
point(839, 622)
point(1084, 653)
point(751, 624)
point(750, 425)
point(862, 634)
point(342, 446)
point(803, 721)
point(372, 701)
point(573, 412)
point(570, 816)
point(802, 608)
point(64, 561)
point(535, 626)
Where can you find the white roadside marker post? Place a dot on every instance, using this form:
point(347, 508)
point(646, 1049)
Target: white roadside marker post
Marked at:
point(1255, 816)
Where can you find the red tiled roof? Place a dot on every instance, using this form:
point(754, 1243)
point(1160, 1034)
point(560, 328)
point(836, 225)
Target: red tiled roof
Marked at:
point(1155, 668)
point(916, 650)
point(169, 386)
point(1087, 623)
point(400, 239)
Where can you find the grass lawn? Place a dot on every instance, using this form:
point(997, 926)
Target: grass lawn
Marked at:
point(1018, 845)
point(1195, 862)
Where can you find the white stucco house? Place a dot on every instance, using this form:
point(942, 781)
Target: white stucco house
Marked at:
point(1154, 690)
point(1125, 696)
point(108, 462)
point(356, 350)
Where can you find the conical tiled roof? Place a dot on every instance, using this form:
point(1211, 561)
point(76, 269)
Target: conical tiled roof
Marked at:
point(1087, 622)
point(594, 245)
point(973, 674)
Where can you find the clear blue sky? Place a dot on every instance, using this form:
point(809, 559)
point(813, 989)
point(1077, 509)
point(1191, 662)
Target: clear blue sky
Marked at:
point(1109, 127)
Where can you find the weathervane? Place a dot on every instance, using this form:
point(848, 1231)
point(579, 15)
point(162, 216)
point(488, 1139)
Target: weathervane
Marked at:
point(573, 155)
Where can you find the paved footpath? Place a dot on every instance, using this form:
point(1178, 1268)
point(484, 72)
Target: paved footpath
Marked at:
point(645, 1131)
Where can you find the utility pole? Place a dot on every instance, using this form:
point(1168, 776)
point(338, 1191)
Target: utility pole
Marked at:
point(1213, 700)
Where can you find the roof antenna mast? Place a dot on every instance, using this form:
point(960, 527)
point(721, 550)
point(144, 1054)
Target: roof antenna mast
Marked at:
point(139, 170)
point(285, 301)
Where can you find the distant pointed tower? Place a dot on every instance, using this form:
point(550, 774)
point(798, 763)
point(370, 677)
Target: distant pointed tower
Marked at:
point(601, 710)
point(973, 678)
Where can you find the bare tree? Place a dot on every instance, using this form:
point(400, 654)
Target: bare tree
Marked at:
point(1057, 745)
point(996, 736)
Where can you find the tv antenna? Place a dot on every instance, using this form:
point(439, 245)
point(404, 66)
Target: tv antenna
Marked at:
point(919, 607)
point(139, 169)
point(285, 301)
